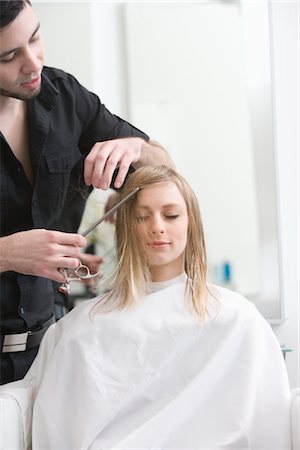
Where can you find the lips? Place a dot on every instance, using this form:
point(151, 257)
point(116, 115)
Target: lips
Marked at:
point(158, 244)
point(32, 83)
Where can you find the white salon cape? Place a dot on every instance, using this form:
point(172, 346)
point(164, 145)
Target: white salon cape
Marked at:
point(154, 377)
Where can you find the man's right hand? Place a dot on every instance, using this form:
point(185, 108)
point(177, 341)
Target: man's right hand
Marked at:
point(41, 252)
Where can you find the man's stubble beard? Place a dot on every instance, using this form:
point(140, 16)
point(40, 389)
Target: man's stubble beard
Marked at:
point(30, 95)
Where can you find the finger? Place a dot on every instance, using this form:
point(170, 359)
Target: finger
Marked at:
point(68, 263)
point(123, 169)
point(56, 275)
point(103, 179)
point(68, 239)
point(64, 273)
point(94, 268)
point(66, 256)
point(88, 258)
point(99, 152)
point(88, 166)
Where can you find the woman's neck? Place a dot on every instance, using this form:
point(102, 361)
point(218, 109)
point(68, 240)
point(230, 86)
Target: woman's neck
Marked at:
point(163, 273)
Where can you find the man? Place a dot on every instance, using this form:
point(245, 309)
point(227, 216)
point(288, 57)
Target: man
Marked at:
point(57, 142)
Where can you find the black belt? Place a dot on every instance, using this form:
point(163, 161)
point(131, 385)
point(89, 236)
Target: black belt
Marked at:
point(19, 342)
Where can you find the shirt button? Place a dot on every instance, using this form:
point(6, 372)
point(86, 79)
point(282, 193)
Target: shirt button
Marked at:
point(19, 169)
point(22, 311)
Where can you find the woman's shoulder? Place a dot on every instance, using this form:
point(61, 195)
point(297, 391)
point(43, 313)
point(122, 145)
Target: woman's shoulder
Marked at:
point(231, 304)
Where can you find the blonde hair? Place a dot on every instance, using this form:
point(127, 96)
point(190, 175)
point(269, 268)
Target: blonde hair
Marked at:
point(132, 273)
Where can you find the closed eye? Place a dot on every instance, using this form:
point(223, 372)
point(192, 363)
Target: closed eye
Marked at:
point(8, 57)
point(143, 218)
point(35, 37)
point(171, 216)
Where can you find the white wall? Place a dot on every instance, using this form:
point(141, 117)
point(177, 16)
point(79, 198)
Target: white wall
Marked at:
point(109, 58)
point(109, 81)
point(285, 26)
point(66, 29)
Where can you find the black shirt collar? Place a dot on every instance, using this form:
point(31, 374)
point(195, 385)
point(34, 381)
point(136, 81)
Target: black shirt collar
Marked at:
point(48, 94)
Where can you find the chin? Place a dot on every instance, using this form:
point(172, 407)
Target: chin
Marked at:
point(31, 94)
point(19, 96)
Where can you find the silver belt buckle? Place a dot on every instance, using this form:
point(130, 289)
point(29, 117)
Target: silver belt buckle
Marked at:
point(15, 342)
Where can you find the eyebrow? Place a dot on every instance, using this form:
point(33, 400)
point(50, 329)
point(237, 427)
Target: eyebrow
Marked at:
point(8, 52)
point(169, 205)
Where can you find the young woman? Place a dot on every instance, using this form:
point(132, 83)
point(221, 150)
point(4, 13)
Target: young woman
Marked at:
point(164, 360)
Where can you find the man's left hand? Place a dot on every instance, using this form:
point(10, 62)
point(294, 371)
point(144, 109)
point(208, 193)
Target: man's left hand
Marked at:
point(105, 157)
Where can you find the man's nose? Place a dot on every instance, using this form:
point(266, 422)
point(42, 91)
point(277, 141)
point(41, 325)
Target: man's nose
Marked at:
point(31, 62)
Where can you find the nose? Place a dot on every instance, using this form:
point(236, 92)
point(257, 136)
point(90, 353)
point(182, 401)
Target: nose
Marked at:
point(158, 226)
point(31, 62)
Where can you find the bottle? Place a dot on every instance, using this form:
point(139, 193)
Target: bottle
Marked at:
point(227, 278)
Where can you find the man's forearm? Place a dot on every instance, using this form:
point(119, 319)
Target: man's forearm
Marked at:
point(4, 249)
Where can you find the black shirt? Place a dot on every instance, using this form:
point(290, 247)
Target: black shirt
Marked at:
point(65, 121)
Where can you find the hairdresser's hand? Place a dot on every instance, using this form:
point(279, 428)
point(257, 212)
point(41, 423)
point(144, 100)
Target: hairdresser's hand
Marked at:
point(105, 157)
point(41, 252)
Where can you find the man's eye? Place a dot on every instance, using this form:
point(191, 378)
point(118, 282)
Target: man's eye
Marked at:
point(35, 37)
point(8, 58)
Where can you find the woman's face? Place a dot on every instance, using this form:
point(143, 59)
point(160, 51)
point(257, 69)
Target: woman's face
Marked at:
point(162, 227)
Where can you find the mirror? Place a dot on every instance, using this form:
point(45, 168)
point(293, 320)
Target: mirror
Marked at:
point(200, 80)
point(196, 76)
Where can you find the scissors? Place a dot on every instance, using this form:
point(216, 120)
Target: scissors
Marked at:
point(82, 272)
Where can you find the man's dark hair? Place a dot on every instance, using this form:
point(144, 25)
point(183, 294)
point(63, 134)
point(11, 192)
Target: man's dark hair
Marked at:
point(9, 10)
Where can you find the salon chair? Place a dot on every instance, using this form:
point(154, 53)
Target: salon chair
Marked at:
point(15, 419)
